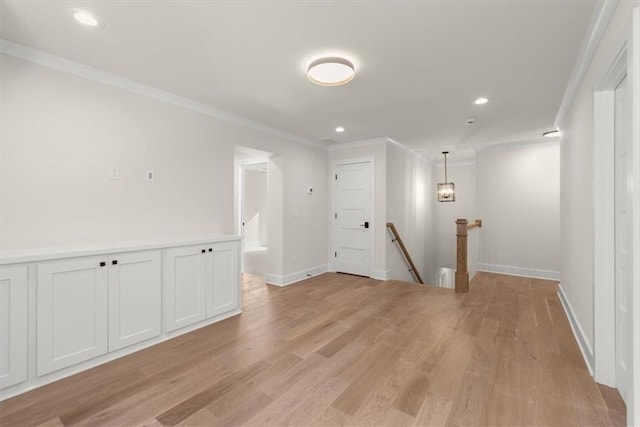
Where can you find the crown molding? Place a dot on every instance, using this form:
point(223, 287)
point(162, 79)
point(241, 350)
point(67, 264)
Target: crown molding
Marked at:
point(90, 73)
point(458, 162)
point(336, 146)
point(599, 23)
point(418, 153)
point(513, 144)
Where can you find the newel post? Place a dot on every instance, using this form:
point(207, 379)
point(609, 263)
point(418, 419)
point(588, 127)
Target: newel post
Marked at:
point(462, 274)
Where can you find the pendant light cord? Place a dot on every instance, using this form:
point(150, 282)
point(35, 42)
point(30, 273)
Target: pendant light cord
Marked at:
point(445, 167)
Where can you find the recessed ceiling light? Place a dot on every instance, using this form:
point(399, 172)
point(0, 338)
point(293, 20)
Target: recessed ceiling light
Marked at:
point(481, 101)
point(331, 71)
point(551, 133)
point(339, 129)
point(86, 18)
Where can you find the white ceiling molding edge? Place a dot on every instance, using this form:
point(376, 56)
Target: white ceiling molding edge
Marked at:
point(336, 146)
point(90, 73)
point(599, 23)
point(414, 152)
point(506, 145)
point(354, 144)
point(460, 162)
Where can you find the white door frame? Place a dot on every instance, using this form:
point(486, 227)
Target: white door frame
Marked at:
point(239, 167)
point(627, 62)
point(372, 210)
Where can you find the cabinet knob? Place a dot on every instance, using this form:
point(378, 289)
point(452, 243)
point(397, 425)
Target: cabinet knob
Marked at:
point(102, 263)
point(210, 250)
point(203, 251)
point(114, 262)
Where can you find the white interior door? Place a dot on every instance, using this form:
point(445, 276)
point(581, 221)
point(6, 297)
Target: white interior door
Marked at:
point(623, 236)
point(352, 219)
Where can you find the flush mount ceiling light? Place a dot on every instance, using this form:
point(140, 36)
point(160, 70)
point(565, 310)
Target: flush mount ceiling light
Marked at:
point(330, 71)
point(86, 18)
point(339, 129)
point(446, 190)
point(551, 133)
point(481, 101)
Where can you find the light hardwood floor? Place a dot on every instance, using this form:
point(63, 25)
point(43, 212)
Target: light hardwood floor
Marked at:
point(339, 349)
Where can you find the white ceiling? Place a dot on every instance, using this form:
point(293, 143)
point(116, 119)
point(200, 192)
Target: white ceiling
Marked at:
point(420, 64)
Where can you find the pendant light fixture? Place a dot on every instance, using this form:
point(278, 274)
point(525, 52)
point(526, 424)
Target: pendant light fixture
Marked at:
point(446, 190)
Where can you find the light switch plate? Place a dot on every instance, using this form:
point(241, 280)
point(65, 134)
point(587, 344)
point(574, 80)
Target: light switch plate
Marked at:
point(113, 172)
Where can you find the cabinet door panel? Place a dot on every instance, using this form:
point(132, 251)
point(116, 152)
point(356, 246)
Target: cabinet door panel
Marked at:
point(13, 325)
point(223, 286)
point(135, 293)
point(72, 312)
point(185, 275)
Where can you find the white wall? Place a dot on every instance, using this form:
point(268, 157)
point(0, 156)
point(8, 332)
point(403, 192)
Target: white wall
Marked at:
point(409, 205)
point(305, 235)
point(518, 202)
point(520, 231)
point(577, 176)
point(577, 189)
point(59, 133)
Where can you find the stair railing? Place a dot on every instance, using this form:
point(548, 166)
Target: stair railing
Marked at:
point(462, 271)
point(407, 257)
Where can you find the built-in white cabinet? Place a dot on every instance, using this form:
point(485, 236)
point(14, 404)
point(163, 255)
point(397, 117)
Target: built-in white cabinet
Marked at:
point(135, 298)
point(222, 279)
point(72, 303)
point(185, 286)
point(88, 306)
point(201, 282)
point(13, 324)
point(66, 310)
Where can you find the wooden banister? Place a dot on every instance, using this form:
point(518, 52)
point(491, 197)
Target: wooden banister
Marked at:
point(462, 272)
point(478, 223)
point(407, 257)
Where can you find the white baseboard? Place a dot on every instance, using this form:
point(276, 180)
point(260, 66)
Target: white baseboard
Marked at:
point(381, 274)
point(585, 348)
point(290, 279)
point(519, 271)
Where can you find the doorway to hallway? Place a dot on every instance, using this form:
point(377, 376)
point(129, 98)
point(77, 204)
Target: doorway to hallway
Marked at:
point(254, 218)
